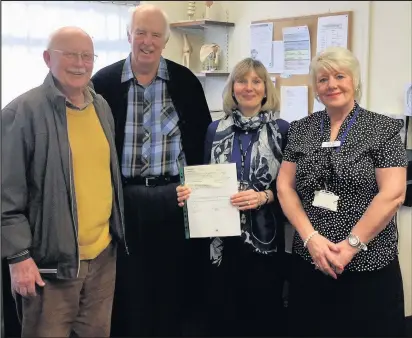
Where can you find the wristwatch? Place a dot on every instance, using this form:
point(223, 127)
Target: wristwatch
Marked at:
point(355, 242)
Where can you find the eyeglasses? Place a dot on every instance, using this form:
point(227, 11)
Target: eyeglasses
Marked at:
point(73, 56)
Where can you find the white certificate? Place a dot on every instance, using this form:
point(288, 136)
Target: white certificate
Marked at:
point(208, 211)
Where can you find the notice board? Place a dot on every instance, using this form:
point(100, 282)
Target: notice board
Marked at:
point(311, 21)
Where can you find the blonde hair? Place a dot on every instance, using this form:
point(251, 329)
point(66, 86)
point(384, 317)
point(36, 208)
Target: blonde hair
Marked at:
point(239, 71)
point(337, 59)
point(148, 7)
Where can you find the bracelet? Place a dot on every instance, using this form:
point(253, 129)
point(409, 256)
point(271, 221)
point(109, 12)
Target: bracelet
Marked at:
point(267, 196)
point(259, 201)
point(305, 243)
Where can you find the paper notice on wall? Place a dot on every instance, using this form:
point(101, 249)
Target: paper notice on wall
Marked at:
point(293, 102)
point(317, 105)
point(261, 36)
point(332, 31)
point(408, 100)
point(278, 58)
point(296, 42)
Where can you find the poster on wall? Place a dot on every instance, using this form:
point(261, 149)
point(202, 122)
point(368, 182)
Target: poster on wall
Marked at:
point(408, 100)
point(261, 35)
point(332, 31)
point(296, 42)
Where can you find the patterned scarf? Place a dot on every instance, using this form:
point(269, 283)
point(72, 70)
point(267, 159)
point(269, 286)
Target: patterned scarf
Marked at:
point(259, 227)
point(250, 123)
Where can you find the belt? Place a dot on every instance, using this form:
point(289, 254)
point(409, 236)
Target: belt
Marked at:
point(150, 181)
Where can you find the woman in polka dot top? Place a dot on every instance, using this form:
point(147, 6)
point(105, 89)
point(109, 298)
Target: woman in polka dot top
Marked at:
point(342, 180)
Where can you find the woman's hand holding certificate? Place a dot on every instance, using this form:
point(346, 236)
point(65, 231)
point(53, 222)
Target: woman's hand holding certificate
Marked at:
point(210, 211)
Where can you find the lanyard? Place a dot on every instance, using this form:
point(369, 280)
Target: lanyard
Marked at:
point(243, 154)
point(345, 133)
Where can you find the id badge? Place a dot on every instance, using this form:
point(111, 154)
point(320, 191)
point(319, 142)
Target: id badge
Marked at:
point(326, 200)
point(333, 144)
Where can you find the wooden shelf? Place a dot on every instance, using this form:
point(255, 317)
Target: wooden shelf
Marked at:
point(200, 24)
point(215, 73)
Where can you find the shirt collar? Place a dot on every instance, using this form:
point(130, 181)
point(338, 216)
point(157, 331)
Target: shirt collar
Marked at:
point(88, 99)
point(127, 73)
point(88, 95)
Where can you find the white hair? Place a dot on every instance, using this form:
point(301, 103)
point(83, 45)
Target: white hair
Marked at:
point(334, 59)
point(144, 7)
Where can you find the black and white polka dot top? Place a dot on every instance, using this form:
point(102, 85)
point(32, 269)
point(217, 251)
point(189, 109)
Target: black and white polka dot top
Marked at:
point(372, 142)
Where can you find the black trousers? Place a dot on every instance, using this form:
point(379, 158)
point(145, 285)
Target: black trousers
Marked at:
point(159, 286)
point(357, 304)
point(245, 293)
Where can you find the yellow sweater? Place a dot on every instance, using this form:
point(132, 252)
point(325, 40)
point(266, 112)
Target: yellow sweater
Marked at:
point(92, 180)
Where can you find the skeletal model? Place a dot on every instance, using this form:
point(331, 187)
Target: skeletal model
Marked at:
point(187, 51)
point(191, 8)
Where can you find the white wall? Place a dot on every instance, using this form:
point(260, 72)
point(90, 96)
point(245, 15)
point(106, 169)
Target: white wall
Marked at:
point(390, 68)
point(382, 40)
point(174, 10)
point(390, 65)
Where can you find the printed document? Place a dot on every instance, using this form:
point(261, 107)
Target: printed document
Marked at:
point(317, 106)
point(293, 102)
point(261, 35)
point(209, 211)
point(332, 31)
point(296, 42)
point(408, 99)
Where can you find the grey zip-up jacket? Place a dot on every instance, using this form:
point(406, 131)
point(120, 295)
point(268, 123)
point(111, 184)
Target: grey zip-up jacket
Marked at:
point(39, 214)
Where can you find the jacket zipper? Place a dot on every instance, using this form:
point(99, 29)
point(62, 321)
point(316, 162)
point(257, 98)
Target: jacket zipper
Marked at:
point(120, 209)
point(71, 204)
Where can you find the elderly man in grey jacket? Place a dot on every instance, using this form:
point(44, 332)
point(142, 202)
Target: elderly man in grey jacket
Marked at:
point(62, 207)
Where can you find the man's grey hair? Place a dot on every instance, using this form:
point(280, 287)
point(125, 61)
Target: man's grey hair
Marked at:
point(144, 7)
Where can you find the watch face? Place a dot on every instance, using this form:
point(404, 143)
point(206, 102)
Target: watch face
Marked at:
point(353, 240)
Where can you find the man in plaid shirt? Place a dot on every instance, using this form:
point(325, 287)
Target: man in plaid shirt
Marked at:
point(161, 117)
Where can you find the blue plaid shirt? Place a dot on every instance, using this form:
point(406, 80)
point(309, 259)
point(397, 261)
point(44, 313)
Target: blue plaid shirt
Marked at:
point(152, 143)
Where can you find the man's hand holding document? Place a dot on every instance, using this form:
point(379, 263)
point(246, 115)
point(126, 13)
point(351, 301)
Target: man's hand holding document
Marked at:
point(209, 211)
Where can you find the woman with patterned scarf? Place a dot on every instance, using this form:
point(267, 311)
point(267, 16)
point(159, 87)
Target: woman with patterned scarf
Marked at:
point(246, 277)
